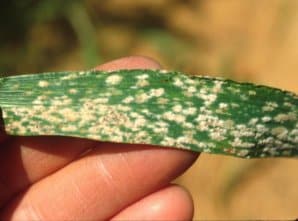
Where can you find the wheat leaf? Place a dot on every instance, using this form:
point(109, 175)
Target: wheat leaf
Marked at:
point(154, 107)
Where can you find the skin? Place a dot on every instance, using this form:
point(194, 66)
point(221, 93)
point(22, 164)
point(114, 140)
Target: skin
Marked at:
point(62, 178)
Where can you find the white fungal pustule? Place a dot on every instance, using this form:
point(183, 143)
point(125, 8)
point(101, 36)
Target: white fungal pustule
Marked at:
point(252, 93)
point(217, 87)
point(237, 142)
point(160, 130)
point(157, 92)
point(253, 121)
point(285, 117)
point(288, 104)
point(128, 99)
point(142, 98)
point(162, 100)
point(223, 106)
point(269, 106)
point(280, 132)
point(189, 111)
point(43, 83)
point(243, 153)
point(101, 100)
point(261, 128)
point(179, 118)
point(142, 76)
point(178, 82)
point(69, 114)
point(266, 119)
point(68, 128)
point(216, 135)
point(142, 83)
point(191, 89)
point(177, 108)
point(113, 79)
point(208, 98)
point(73, 91)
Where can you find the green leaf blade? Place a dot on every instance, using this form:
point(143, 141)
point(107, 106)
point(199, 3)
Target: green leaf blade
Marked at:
point(154, 107)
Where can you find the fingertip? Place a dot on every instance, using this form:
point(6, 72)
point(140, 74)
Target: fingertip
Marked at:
point(131, 62)
point(170, 203)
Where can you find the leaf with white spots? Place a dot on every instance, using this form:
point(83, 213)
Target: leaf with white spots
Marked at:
point(154, 107)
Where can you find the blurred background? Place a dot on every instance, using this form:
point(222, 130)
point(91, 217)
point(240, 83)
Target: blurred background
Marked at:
point(245, 40)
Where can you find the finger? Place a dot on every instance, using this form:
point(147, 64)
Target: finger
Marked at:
point(132, 62)
point(25, 160)
point(100, 184)
point(170, 203)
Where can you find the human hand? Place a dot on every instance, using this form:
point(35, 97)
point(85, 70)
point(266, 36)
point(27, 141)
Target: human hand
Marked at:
point(63, 178)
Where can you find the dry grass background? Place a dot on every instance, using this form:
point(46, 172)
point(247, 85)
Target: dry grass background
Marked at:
point(247, 40)
point(260, 38)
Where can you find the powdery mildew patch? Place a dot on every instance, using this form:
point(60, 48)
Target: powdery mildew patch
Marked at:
point(154, 107)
